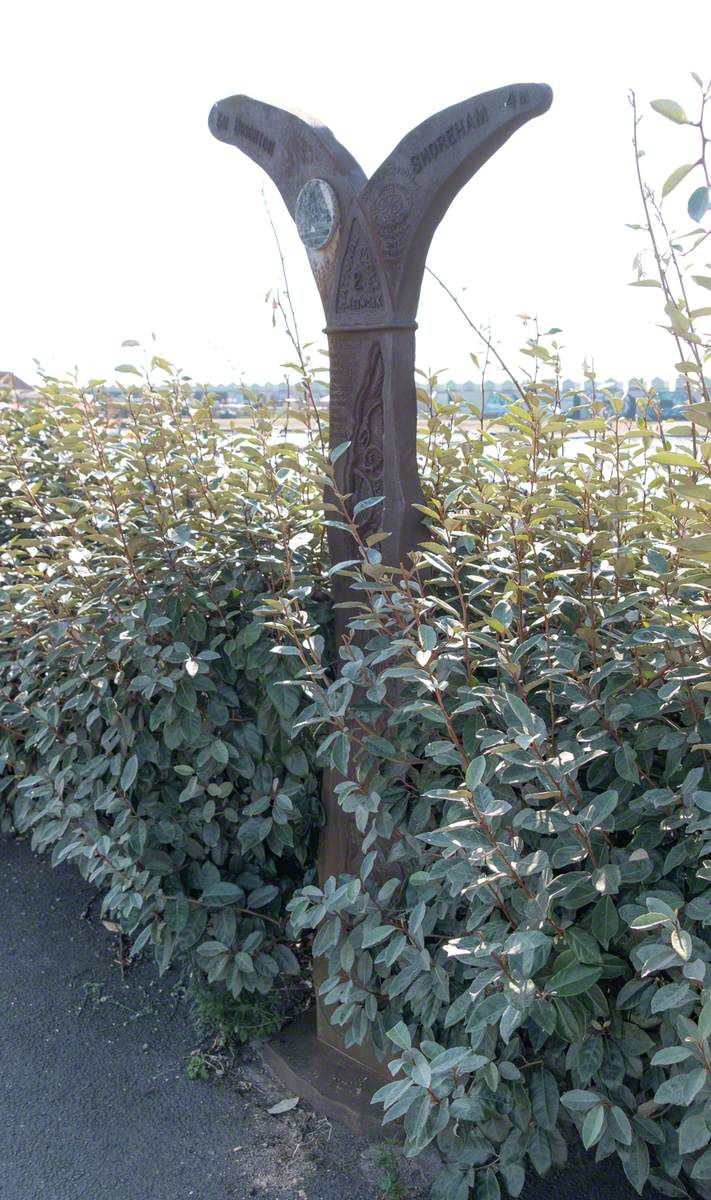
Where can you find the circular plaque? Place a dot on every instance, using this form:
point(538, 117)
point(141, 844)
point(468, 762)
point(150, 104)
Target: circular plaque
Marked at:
point(316, 213)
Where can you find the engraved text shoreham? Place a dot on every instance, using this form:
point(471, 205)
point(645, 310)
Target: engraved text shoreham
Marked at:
point(458, 129)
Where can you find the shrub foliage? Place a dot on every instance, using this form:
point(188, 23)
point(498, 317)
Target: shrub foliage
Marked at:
point(527, 756)
point(145, 726)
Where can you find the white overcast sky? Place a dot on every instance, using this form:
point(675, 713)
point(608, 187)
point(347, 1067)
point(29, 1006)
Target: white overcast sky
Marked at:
point(122, 216)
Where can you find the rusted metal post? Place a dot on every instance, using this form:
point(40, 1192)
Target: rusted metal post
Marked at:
point(367, 242)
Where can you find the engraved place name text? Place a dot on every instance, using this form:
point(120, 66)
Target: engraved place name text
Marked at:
point(517, 99)
point(454, 133)
point(254, 135)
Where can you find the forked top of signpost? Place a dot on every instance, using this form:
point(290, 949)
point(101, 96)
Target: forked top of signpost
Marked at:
point(367, 239)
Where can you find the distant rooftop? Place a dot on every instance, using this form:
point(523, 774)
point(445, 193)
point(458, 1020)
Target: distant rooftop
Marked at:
point(9, 380)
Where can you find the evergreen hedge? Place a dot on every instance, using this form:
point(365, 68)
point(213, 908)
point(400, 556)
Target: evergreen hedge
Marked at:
point(145, 726)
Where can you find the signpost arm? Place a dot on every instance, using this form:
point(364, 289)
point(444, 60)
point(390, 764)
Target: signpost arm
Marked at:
point(409, 193)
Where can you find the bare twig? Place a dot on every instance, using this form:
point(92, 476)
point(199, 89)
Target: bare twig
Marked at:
point(479, 332)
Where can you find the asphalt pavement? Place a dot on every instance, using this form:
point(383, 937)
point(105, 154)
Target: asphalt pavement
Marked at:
point(95, 1101)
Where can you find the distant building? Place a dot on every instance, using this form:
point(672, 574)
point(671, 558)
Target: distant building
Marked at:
point(13, 383)
point(578, 401)
point(635, 391)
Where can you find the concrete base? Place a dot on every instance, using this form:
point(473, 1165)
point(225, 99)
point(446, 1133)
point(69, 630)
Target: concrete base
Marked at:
point(328, 1080)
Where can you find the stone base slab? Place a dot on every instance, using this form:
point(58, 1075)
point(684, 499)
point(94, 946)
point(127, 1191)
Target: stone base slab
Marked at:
point(328, 1080)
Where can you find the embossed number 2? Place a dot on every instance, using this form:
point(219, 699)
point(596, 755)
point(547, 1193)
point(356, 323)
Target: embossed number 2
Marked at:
point(358, 281)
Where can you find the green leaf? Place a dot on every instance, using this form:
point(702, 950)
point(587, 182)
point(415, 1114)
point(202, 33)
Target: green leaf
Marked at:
point(390, 1093)
point(657, 562)
point(619, 1125)
point(539, 1152)
point(487, 1185)
point(173, 735)
point(297, 763)
point(142, 940)
point(676, 178)
point(671, 1054)
point(287, 959)
point(177, 913)
point(605, 921)
point(158, 862)
point(244, 962)
point(570, 1022)
point(222, 892)
point(262, 896)
point(693, 1133)
point(400, 1035)
point(573, 980)
point(219, 752)
point(340, 753)
point(212, 949)
point(674, 458)
point(702, 1167)
point(583, 945)
point(475, 772)
point(681, 943)
point(362, 505)
point(626, 763)
point(544, 1098)
point(635, 1163)
point(451, 1184)
point(466, 1108)
point(607, 879)
point(579, 1100)
point(162, 364)
point(373, 937)
point(681, 1089)
point(704, 1021)
point(671, 110)
point(502, 614)
point(698, 203)
point(590, 1057)
point(514, 1176)
point(649, 920)
point(129, 772)
point(593, 1126)
point(672, 995)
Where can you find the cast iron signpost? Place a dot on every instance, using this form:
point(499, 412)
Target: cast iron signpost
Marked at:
point(367, 241)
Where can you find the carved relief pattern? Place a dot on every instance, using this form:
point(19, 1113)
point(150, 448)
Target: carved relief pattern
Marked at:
point(364, 476)
point(359, 285)
point(392, 209)
point(298, 154)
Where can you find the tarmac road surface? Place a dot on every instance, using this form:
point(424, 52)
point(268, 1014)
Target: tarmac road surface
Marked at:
point(95, 1103)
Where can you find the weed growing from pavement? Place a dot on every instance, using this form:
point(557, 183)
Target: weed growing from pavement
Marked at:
point(199, 1066)
point(230, 1021)
point(392, 1187)
point(95, 995)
